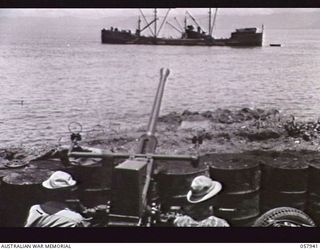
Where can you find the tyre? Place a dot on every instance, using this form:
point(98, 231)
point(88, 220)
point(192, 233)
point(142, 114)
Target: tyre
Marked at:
point(284, 217)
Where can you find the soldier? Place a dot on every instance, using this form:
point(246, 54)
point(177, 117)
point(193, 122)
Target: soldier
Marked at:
point(56, 213)
point(199, 212)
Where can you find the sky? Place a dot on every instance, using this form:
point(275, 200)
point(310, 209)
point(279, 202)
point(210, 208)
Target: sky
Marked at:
point(100, 13)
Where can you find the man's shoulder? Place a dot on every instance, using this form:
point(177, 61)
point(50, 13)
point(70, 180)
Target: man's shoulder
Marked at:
point(36, 208)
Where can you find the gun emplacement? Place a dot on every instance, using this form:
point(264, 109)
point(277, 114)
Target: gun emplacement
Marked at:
point(131, 179)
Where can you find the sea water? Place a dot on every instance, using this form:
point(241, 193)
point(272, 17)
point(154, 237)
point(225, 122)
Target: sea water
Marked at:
point(50, 77)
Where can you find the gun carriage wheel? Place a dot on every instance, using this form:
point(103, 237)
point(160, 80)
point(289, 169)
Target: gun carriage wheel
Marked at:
point(284, 217)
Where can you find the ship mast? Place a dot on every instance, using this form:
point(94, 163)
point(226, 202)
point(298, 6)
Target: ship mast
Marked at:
point(209, 30)
point(155, 23)
point(139, 25)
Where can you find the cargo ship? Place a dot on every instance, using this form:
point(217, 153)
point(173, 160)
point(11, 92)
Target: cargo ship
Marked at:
point(190, 35)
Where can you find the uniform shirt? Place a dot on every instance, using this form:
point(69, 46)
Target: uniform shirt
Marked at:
point(53, 214)
point(187, 221)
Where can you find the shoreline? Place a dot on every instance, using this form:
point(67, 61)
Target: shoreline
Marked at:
point(223, 132)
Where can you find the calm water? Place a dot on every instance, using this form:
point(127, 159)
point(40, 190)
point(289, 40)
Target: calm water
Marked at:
point(65, 75)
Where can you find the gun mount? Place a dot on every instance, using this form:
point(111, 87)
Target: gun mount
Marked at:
point(130, 195)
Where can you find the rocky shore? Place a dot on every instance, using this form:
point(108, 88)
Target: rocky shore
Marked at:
point(255, 132)
point(222, 132)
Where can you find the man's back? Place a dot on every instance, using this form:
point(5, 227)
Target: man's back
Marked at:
point(54, 214)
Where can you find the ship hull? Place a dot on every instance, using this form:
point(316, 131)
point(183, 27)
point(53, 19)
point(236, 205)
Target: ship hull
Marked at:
point(236, 40)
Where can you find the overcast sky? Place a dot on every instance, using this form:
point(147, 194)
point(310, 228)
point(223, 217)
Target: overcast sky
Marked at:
point(99, 13)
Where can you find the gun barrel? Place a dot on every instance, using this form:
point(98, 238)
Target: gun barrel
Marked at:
point(157, 102)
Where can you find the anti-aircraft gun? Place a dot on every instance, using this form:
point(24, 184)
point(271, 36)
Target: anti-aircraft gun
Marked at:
point(132, 188)
point(131, 202)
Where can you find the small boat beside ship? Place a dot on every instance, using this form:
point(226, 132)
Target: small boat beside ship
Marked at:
point(190, 36)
